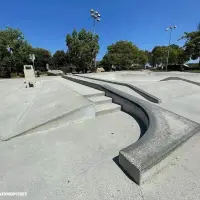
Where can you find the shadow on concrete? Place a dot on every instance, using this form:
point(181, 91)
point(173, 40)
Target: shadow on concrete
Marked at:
point(116, 161)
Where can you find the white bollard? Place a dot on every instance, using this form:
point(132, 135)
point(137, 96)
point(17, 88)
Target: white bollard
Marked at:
point(29, 76)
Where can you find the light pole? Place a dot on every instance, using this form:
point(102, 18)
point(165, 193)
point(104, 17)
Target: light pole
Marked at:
point(170, 36)
point(96, 17)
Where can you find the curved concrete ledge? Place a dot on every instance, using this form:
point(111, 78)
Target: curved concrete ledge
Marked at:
point(162, 131)
point(181, 79)
point(143, 93)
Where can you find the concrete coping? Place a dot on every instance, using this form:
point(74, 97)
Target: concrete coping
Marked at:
point(180, 79)
point(162, 132)
point(143, 93)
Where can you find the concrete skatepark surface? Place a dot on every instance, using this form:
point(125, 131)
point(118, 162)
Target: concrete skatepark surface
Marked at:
point(77, 161)
point(20, 106)
point(143, 76)
point(161, 131)
point(176, 95)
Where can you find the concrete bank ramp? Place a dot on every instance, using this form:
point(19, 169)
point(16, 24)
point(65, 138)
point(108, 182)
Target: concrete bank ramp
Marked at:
point(47, 106)
point(167, 90)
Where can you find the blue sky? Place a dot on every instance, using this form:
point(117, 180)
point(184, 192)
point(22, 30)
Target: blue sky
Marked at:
point(45, 23)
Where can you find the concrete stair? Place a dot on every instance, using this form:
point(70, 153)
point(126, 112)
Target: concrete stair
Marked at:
point(100, 99)
point(106, 108)
point(103, 104)
point(96, 94)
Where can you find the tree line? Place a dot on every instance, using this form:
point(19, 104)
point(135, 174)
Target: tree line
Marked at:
point(124, 55)
point(82, 49)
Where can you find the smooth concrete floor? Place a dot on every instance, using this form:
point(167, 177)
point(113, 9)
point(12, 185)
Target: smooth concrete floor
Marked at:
point(76, 162)
point(72, 162)
point(143, 76)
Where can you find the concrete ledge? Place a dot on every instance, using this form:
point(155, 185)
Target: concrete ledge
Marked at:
point(143, 93)
point(181, 79)
point(162, 132)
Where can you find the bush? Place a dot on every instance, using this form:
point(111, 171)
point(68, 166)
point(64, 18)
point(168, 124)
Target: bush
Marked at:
point(5, 72)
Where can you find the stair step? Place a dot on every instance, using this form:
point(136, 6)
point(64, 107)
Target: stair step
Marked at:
point(95, 94)
point(107, 108)
point(100, 99)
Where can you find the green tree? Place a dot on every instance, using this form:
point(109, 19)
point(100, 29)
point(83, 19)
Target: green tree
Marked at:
point(123, 55)
point(149, 57)
point(82, 49)
point(106, 62)
point(142, 58)
point(14, 49)
point(42, 57)
point(192, 45)
point(60, 59)
point(159, 56)
point(176, 56)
